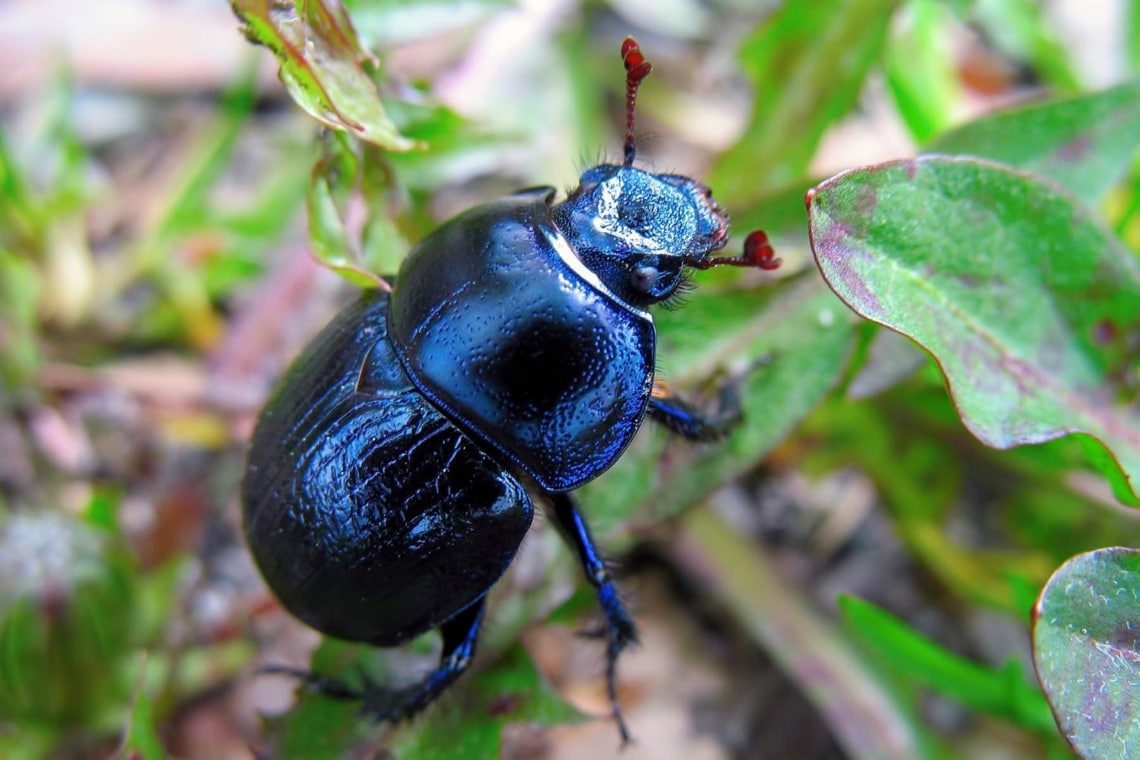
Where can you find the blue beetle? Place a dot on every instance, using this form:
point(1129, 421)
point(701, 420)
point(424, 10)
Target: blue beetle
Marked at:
point(388, 481)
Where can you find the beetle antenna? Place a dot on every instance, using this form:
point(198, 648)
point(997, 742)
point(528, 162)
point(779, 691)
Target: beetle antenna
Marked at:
point(758, 252)
point(636, 69)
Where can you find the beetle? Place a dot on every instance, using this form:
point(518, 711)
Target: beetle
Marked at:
point(389, 475)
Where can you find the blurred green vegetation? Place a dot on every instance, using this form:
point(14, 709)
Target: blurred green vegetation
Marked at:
point(154, 282)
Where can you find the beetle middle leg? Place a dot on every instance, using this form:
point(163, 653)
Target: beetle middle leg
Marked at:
point(620, 630)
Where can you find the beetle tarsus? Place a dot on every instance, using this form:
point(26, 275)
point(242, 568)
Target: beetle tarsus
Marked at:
point(619, 629)
point(385, 704)
point(612, 651)
point(315, 682)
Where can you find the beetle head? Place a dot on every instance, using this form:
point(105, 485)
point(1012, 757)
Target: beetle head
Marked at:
point(638, 231)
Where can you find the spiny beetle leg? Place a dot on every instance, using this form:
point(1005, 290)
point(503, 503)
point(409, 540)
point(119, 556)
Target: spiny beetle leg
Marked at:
point(381, 703)
point(619, 630)
point(459, 636)
point(686, 419)
point(683, 418)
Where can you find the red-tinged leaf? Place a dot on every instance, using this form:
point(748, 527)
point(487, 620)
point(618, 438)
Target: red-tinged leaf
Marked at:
point(1083, 143)
point(1031, 309)
point(1086, 647)
point(322, 65)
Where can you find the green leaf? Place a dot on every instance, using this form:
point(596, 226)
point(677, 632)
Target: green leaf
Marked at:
point(1084, 144)
point(349, 174)
point(909, 446)
point(801, 336)
point(142, 739)
point(808, 63)
point(322, 65)
point(186, 207)
point(470, 725)
point(1087, 651)
point(1027, 304)
point(1003, 693)
point(20, 220)
point(920, 67)
point(20, 285)
point(319, 727)
point(1132, 34)
point(67, 597)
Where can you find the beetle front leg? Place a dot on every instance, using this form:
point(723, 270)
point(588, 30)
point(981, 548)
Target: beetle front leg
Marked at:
point(620, 630)
point(685, 419)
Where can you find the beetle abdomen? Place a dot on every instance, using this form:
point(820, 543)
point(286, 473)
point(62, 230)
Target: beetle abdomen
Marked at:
point(370, 515)
point(502, 327)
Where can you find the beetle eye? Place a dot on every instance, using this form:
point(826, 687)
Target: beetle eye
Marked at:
point(642, 279)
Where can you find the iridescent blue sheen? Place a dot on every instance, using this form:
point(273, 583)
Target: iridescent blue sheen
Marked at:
point(499, 325)
point(374, 519)
point(383, 495)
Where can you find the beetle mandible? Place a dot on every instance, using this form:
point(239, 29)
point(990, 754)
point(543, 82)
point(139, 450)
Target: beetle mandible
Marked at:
point(388, 480)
